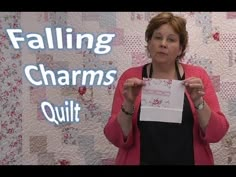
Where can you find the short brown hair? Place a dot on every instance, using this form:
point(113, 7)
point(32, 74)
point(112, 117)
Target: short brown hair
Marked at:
point(178, 24)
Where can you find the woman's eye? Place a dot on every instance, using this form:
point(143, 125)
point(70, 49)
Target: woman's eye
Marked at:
point(157, 37)
point(171, 40)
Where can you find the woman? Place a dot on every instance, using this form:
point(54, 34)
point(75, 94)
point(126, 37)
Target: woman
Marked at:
point(148, 142)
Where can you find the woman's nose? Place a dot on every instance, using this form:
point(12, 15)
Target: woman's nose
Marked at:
point(163, 43)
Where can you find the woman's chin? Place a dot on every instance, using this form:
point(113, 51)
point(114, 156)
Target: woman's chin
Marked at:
point(161, 60)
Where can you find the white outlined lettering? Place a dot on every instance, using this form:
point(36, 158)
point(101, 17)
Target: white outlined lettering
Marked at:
point(53, 39)
point(69, 112)
point(66, 78)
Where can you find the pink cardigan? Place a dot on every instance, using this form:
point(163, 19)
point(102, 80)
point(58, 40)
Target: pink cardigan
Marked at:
point(129, 150)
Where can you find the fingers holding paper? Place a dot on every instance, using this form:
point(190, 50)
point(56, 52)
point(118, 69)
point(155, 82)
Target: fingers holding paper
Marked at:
point(131, 88)
point(195, 88)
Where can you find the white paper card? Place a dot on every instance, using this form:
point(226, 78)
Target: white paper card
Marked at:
point(162, 100)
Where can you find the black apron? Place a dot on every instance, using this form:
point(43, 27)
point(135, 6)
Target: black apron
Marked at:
point(164, 143)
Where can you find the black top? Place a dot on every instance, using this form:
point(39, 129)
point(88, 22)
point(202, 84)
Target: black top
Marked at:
point(164, 143)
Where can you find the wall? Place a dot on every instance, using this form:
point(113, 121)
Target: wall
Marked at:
point(26, 137)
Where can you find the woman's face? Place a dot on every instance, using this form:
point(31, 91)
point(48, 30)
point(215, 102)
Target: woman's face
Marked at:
point(164, 45)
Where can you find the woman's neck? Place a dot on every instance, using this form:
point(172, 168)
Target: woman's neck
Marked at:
point(164, 71)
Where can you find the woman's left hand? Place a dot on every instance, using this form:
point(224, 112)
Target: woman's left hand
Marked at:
point(195, 88)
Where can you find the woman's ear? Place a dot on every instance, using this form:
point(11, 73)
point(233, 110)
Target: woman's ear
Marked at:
point(180, 51)
point(148, 45)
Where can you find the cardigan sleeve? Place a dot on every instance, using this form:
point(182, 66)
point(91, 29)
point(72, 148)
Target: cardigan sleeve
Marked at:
point(112, 129)
point(218, 125)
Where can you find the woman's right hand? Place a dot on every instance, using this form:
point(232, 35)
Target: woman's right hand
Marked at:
point(131, 89)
